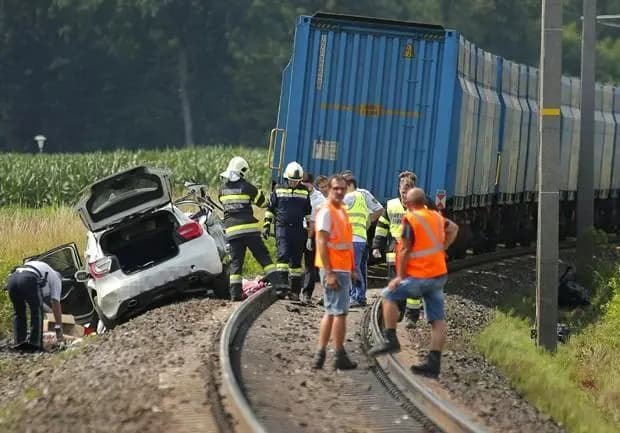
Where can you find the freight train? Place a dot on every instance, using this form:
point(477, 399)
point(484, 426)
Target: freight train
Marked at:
point(378, 96)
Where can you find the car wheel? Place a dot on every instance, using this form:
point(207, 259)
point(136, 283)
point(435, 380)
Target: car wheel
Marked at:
point(108, 323)
point(221, 284)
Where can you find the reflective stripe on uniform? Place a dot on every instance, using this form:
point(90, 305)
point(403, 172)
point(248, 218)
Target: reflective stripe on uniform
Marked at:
point(396, 211)
point(237, 198)
point(259, 200)
point(234, 279)
point(414, 304)
point(340, 247)
point(390, 257)
point(243, 228)
point(437, 246)
point(282, 266)
point(269, 269)
point(296, 272)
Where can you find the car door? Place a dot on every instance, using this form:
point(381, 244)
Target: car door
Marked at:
point(74, 298)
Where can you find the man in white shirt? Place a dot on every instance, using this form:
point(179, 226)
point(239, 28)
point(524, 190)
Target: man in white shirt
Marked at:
point(311, 273)
point(31, 284)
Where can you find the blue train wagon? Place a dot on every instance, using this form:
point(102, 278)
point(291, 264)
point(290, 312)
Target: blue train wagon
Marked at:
point(377, 97)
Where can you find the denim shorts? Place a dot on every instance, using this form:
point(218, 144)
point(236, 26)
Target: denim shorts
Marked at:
point(430, 289)
point(336, 300)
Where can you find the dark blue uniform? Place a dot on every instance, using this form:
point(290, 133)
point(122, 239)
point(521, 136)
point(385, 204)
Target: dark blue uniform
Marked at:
point(243, 231)
point(289, 207)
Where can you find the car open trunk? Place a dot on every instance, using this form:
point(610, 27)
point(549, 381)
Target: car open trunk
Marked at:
point(142, 242)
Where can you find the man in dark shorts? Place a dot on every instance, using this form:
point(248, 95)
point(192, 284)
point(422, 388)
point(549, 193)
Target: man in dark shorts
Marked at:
point(421, 273)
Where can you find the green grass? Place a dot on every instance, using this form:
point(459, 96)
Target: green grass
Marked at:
point(579, 386)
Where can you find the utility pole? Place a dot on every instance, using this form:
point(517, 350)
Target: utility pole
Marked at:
point(548, 174)
point(585, 176)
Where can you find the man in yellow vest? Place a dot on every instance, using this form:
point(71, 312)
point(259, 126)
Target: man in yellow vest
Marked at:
point(421, 272)
point(389, 226)
point(334, 258)
point(362, 211)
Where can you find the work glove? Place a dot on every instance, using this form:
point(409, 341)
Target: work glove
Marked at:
point(376, 253)
point(266, 230)
point(309, 244)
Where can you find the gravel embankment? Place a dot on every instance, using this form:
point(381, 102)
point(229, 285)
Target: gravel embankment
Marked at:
point(146, 375)
point(467, 378)
point(288, 396)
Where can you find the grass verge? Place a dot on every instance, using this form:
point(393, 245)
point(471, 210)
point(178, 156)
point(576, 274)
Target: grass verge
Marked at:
point(579, 386)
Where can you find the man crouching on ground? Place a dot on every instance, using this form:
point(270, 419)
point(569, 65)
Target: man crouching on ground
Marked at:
point(421, 273)
point(334, 258)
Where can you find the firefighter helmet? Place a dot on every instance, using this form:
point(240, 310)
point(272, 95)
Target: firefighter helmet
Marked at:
point(294, 172)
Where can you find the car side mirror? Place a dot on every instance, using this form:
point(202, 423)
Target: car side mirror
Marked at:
point(82, 276)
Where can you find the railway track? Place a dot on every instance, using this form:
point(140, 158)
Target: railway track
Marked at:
point(389, 399)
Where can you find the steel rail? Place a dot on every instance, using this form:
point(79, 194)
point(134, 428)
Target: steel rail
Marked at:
point(441, 413)
point(237, 403)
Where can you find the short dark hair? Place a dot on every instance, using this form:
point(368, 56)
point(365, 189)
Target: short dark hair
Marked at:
point(350, 179)
point(321, 178)
point(308, 178)
point(408, 174)
point(336, 177)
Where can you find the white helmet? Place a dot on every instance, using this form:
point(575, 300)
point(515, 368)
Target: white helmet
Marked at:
point(294, 171)
point(238, 166)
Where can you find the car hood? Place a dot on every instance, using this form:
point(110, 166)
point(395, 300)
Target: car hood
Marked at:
point(120, 196)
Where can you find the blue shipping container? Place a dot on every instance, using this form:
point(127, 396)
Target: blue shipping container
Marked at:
point(372, 96)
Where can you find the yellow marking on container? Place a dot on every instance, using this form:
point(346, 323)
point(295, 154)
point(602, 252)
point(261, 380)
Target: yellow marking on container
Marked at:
point(408, 53)
point(551, 112)
point(373, 110)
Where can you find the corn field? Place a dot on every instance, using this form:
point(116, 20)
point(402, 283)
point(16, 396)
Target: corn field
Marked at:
point(44, 180)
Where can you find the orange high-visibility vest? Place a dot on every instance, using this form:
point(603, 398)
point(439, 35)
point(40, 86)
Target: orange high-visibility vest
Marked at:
point(340, 241)
point(426, 257)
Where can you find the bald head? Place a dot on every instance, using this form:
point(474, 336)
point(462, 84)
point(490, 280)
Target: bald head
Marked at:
point(416, 197)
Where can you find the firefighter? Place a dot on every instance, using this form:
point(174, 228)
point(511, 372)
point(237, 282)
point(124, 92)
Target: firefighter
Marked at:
point(289, 208)
point(242, 229)
point(390, 224)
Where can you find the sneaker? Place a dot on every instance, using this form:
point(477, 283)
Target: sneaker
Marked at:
point(385, 346)
point(342, 361)
point(430, 367)
point(293, 296)
point(357, 304)
point(305, 299)
point(319, 360)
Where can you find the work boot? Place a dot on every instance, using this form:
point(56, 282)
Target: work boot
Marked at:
point(279, 283)
point(389, 343)
point(413, 316)
point(236, 292)
point(342, 361)
point(319, 359)
point(431, 365)
point(295, 287)
point(401, 309)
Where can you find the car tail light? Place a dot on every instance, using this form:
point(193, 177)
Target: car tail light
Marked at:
point(100, 267)
point(190, 230)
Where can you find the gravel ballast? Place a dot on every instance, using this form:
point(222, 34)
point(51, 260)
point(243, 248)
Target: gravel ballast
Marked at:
point(145, 375)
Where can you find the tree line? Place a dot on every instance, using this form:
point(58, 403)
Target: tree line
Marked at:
point(106, 74)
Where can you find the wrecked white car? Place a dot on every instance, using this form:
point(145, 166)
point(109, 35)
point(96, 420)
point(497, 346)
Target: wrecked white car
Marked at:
point(141, 248)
